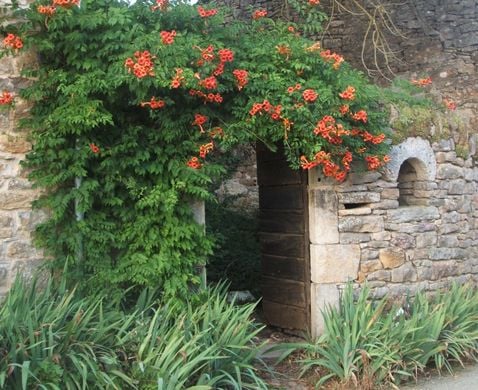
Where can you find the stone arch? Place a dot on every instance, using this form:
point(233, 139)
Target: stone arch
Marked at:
point(418, 154)
point(410, 182)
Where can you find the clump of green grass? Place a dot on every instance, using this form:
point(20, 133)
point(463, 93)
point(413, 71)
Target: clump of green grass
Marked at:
point(365, 345)
point(54, 338)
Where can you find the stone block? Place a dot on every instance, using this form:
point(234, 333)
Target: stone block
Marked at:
point(456, 187)
point(413, 213)
point(449, 171)
point(6, 66)
point(322, 296)
point(403, 240)
point(385, 204)
point(390, 193)
point(334, 263)
point(359, 197)
point(15, 145)
point(391, 258)
point(443, 269)
point(16, 200)
point(444, 145)
point(364, 177)
point(449, 228)
point(446, 253)
point(424, 273)
point(425, 240)
point(365, 224)
point(448, 241)
point(378, 244)
point(370, 266)
point(323, 219)
point(21, 250)
point(354, 238)
point(5, 267)
point(355, 211)
point(380, 275)
point(381, 236)
point(405, 273)
point(368, 254)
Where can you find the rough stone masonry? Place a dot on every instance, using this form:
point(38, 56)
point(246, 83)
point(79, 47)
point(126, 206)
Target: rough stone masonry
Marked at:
point(17, 221)
point(414, 227)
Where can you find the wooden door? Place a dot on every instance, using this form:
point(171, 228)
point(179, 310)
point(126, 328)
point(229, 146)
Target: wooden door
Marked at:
point(283, 235)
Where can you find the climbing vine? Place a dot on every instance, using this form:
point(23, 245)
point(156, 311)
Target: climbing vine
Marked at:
point(129, 104)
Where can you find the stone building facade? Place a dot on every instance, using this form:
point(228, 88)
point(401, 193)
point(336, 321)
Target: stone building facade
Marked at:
point(433, 38)
point(17, 221)
point(412, 228)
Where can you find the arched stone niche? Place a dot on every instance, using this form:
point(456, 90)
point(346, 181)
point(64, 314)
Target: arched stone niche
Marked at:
point(418, 153)
point(413, 167)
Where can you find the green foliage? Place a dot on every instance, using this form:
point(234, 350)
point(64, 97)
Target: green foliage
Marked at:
point(237, 255)
point(114, 173)
point(365, 344)
point(54, 338)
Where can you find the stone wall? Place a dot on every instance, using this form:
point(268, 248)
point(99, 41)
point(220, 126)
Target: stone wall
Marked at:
point(17, 221)
point(435, 38)
point(414, 227)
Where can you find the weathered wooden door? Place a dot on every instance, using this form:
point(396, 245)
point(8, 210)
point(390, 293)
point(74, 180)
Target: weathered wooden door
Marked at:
point(283, 234)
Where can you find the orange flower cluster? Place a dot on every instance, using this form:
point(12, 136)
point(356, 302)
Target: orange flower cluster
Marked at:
point(143, 66)
point(368, 137)
point(154, 104)
point(66, 3)
point(450, 104)
point(327, 55)
point(373, 162)
point(13, 42)
point(319, 158)
point(177, 79)
point(94, 148)
point(209, 83)
point(48, 10)
point(360, 116)
point(260, 13)
point(294, 88)
point(216, 132)
point(206, 13)
point(194, 163)
point(310, 95)
point(207, 54)
point(226, 55)
point(200, 120)
point(422, 82)
point(330, 131)
point(266, 106)
point(314, 2)
point(241, 78)
point(284, 50)
point(348, 94)
point(205, 149)
point(167, 37)
point(6, 98)
point(160, 4)
point(329, 168)
point(343, 109)
point(208, 98)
